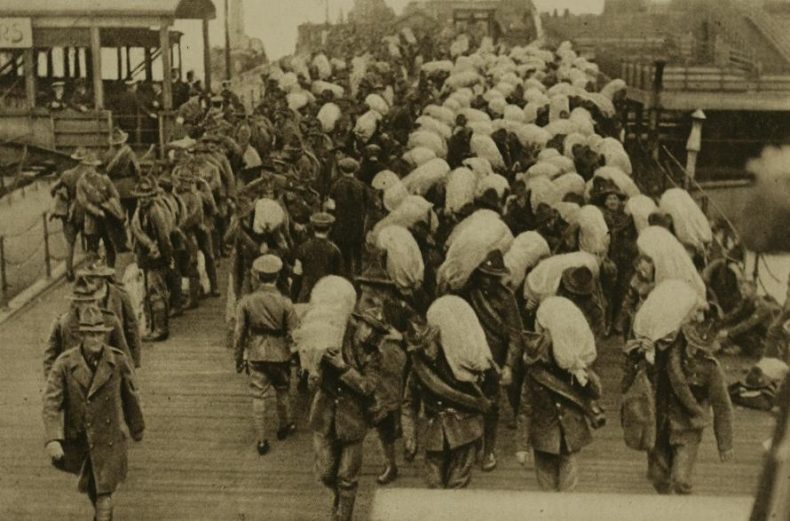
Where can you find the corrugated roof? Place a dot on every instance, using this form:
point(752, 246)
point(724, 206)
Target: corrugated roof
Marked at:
point(109, 8)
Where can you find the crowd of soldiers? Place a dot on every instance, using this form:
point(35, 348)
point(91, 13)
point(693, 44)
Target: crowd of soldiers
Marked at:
point(298, 194)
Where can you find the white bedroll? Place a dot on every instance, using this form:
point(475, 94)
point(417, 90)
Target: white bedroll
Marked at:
point(482, 505)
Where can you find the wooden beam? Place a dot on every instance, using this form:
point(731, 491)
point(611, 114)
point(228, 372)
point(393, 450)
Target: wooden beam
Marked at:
point(128, 62)
point(98, 85)
point(67, 62)
point(149, 66)
point(167, 79)
point(30, 77)
point(119, 59)
point(206, 57)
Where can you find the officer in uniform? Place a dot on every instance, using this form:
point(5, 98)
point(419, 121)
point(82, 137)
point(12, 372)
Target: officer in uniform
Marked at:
point(265, 321)
point(496, 308)
point(67, 207)
point(154, 252)
point(347, 380)
point(112, 297)
point(317, 257)
point(90, 404)
point(65, 334)
point(352, 202)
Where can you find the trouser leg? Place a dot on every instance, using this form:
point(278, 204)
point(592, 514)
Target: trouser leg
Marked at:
point(157, 295)
point(684, 458)
point(103, 507)
point(547, 470)
point(459, 468)
point(434, 468)
point(204, 245)
point(327, 453)
point(348, 470)
point(70, 235)
point(283, 396)
point(567, 472)
point(260, 389)
point(491, 420)
point(659, 465)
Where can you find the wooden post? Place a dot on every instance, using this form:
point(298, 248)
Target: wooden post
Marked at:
point(3, 279)
point(206, 57)
point(128, 62)
point(180, 62)
point(227, 42)
point(96, 72)
point(67, 62)
point(149, 66)
point(47, 260)
point(50, 64)
point(77, 62)
point(694, 145)
point(167, 73)
point(119, 59)
point(30, 77)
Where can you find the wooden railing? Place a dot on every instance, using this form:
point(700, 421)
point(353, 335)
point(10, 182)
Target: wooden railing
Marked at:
point(695, 78)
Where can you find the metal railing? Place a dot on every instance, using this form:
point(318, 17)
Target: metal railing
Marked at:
point(31, 251)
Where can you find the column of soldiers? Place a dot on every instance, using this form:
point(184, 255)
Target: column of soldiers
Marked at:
point(302, 212)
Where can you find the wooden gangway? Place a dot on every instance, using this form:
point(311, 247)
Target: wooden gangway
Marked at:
point(198, 461)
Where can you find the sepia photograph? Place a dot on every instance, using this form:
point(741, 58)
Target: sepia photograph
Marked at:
point(395, 260)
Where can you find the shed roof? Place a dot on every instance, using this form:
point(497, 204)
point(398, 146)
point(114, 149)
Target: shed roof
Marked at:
point(181, 9)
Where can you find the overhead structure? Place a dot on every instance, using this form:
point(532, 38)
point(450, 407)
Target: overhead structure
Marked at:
point(47, 41)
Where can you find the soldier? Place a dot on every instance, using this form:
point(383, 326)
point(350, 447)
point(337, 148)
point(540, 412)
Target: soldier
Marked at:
point(64, 333)
point(90, 403)
point(67, 207)
point(687, 382)
point(347, 379)
point(265, 320)
point(123, 168)
point(154, 253)
point(81, 99)
point(454, 408)
point(230, 99)
point(104, 216)
point(112, 297)
point(317, 257)
point(352, 203)
point(578, 286)
point(496, 308)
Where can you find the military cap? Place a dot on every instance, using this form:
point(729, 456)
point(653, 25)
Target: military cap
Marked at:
point(118, 136)
point(322, 220)
point(83, 291)
point(267, 264)
point(494, 265)
point(97, 268)
point(79, 154)
point(89, 158)
point(374, 317)
point(92, 320)
point(146, 187)
point(348, 165)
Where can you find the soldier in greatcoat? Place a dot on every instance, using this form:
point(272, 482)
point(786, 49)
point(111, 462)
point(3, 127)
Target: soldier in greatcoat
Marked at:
point(496, 308)
point(112, 297)
point(154, 253)
point(64, 333)
point(265, 321)
point(347, 380)
point(67, 207)
point(90, 404)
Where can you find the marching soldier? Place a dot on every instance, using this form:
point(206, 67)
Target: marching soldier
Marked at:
point(112, 297)
point(352, 203)
point(104, 216)
point(65, 333)
point(265, 320)
point(347, 379)
point(317, 257)
point(154, 252)
point(90, 403)
point(455, 410)
point(123, 168)
point(67, 207)
point(496, 308)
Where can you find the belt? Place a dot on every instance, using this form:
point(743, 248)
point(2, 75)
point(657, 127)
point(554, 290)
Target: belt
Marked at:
point(263, 331)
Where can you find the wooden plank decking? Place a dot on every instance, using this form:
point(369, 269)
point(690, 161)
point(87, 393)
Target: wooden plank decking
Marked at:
point(198, 461)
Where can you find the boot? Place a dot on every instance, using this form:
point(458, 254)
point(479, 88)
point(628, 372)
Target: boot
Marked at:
point(103, 508)
point(345, 504)
point(194, 293)
point(490, 424)
point(160, 329)
point(211, 272)
point(390, 472)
